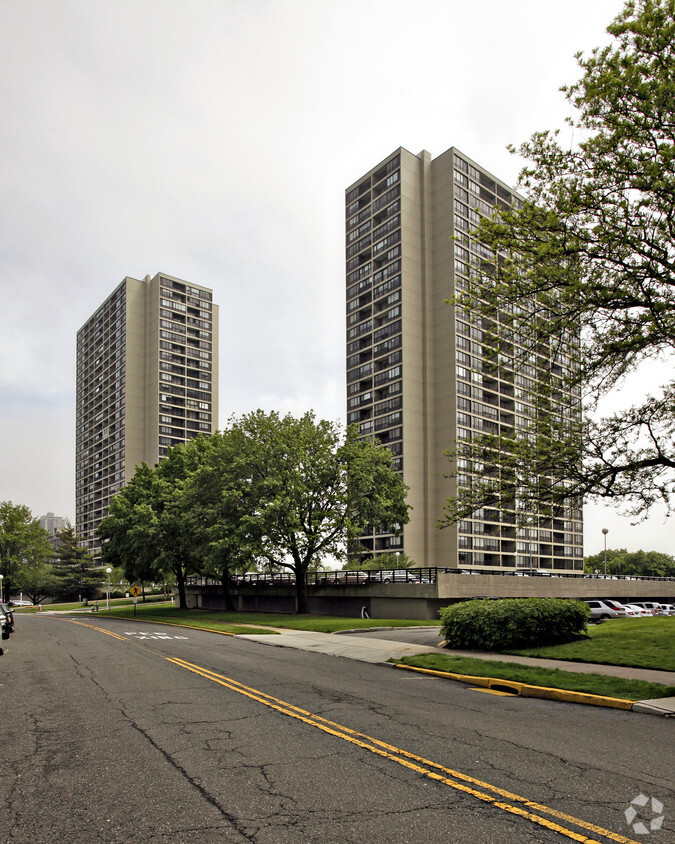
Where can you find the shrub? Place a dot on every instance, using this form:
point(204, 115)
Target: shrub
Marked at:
point(512, 623)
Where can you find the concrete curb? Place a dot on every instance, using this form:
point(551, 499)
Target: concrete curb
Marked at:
point(525, 690)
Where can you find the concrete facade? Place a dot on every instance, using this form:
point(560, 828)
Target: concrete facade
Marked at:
point(147, 378)
point(423, 600)
point(421, 373)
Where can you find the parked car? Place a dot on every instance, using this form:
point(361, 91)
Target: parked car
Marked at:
point(9, 616)
point(533, 573)
point(615, 605)
point(601, 611)
point(4, 630)
point(17, 602)
point(394, 576)
point(344, 577)
point(668, 609)
point(599, 576)
point(649, 605)
point(639, 612)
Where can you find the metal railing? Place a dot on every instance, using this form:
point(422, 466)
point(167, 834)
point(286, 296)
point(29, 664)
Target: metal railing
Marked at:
point(423, 575)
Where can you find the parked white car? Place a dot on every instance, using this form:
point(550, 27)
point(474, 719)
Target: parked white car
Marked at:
point(649, 605)
point(668, 609)
point(395, 576)
point(601, 611)
point(631, 612)
point(615, 605)
point(640, 612)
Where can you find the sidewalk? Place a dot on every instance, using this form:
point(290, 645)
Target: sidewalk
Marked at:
point(373, 650)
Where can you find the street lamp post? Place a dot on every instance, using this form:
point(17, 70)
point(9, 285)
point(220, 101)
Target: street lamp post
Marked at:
point(107, 571)
point(1, 578)
point(604, 533)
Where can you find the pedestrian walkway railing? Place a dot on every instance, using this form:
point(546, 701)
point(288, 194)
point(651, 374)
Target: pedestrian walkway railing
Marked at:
point(422, 575)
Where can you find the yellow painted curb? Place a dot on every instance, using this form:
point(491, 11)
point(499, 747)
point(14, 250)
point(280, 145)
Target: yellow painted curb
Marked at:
point(525, 690)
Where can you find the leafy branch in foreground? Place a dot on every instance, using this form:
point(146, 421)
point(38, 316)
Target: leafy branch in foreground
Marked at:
point(582, 285)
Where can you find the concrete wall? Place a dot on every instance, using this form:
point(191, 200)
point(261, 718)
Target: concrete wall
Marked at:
point(422, 600)
point(462, 586)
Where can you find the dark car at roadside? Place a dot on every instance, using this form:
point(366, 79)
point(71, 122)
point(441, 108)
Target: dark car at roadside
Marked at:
point(9, 616)
point(5, 629)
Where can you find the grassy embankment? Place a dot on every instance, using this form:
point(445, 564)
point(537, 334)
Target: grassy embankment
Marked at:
point(226, 621)
point(78, 605)
point(635, 642)
point(632, 642)
point(551, 678)
point(230, 622)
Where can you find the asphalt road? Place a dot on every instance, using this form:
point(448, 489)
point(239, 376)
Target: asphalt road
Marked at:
point(117, 731)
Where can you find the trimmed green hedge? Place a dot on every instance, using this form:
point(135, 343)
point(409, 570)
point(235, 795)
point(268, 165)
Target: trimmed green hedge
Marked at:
point(485, 625)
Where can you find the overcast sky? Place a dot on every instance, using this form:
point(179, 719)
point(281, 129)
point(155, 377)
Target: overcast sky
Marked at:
point(213, 141)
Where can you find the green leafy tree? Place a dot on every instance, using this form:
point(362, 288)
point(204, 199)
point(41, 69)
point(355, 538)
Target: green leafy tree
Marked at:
point(179, 533)
point(620, 561)
point(128, 533)
point(147, 530)
point(37, 580)
point(74, 571)
point(217, 499)
point(312, 489)
point(582, 278)
point(278, 491)
point(23, 543)
point(385, 560)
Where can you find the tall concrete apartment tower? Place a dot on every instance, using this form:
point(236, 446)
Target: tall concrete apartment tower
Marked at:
point(416, 378)
point(147, 378)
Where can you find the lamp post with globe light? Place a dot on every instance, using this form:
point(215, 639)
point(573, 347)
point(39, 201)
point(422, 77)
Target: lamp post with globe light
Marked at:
point(1, 579)
point(604, 533)
point(107, 571)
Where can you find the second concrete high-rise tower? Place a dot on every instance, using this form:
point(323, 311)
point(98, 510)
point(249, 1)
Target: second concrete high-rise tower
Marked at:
point(147, 378)
point(420, 372)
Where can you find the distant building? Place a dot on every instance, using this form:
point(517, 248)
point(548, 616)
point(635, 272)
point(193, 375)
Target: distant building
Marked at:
point(53, 525)
point(422, 375)
point(147, 378)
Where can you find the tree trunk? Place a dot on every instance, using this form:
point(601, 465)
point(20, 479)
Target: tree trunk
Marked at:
point(301, 593)
point(227, 593)
point(180, 583)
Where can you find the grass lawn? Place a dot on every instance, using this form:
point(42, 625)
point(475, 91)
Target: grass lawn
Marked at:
point(207, 619)
point(78, 605)
point(637, 642)
point(595, 684)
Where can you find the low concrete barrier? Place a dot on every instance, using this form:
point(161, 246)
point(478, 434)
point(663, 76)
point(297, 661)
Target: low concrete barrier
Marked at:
point(423, 600)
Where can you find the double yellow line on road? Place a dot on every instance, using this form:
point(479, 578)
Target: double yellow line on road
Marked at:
point(498, 797)
point(100, 630)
